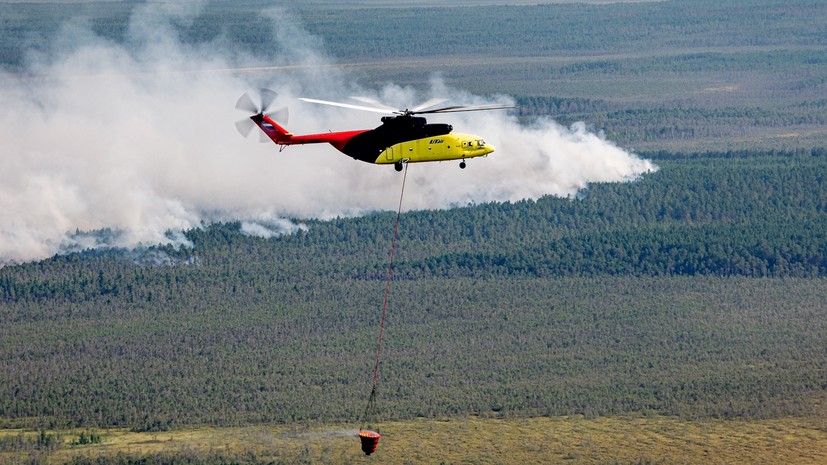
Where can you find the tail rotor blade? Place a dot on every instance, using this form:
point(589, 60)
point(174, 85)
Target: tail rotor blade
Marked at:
point(281, 115)
point(267, 98)
point(263, 138)
point(245, 103)
point(245, 126)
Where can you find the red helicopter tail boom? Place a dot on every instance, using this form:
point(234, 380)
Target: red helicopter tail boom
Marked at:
point(282, 136)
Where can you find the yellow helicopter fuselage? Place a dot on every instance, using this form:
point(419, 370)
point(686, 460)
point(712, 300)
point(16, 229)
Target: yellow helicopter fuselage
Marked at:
point(453, 146)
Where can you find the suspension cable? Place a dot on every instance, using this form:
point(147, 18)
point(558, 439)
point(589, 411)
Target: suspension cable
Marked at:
point(388, 284)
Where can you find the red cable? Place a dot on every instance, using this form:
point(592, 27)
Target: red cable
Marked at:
point(388, 286)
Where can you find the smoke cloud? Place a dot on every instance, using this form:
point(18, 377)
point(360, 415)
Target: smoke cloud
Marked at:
point(127, 144)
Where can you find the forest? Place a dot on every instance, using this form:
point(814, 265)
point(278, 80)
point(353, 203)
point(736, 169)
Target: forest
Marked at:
point(695, 292)
point(661, 295)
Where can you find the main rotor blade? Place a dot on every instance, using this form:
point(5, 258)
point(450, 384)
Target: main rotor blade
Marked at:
point(459, 108)
point(427, 104)
point(347, 105)
point(376, 104)
point(417, 109)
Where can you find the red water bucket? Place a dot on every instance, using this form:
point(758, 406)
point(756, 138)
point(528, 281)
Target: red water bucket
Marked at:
point(370, 439)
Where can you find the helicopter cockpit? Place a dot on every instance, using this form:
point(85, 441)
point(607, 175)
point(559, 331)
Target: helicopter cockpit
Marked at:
point(473, 144)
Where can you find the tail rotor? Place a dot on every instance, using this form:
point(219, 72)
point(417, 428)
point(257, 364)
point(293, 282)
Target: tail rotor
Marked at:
point(247, 104)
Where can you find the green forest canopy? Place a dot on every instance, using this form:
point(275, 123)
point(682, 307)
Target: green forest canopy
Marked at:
point(655, 295)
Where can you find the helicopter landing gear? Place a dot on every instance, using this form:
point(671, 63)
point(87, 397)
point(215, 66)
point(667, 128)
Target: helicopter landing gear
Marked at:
point(462, 165)
point(398, 166)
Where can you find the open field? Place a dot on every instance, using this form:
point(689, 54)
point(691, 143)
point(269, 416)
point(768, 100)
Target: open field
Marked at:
point(571, 440)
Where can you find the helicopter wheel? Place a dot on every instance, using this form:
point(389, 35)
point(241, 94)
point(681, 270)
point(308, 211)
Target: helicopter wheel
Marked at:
point(397, 166)
point(462, 165)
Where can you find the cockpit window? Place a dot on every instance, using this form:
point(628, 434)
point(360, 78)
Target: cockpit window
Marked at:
point(480, 143)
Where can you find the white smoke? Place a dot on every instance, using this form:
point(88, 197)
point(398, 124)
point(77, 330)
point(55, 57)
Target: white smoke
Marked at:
point(270, 227)
point(138, 140)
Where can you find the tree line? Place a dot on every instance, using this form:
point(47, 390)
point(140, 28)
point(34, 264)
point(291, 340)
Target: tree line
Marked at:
point(733, 214)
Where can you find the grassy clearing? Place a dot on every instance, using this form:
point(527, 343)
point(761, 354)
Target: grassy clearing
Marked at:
point(570, 440)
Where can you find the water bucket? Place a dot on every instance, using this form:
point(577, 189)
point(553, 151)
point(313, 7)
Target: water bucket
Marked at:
point(370, 439)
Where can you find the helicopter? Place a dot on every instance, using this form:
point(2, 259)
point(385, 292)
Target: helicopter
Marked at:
point(402, 137)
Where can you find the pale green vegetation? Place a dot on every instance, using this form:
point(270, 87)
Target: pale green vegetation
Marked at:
point(631, 440)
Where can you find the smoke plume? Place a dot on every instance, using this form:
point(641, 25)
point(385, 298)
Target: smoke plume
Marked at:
point(127, 144)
